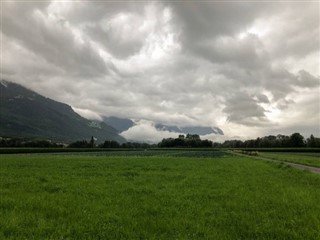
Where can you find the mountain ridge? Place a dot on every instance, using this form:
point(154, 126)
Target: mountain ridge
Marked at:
point(25, 113)
point(124, 124)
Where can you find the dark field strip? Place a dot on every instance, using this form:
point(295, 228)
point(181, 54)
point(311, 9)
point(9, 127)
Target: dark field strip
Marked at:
point(152, 153)
point(85, 150)
point(56, 150)
point(159, 197)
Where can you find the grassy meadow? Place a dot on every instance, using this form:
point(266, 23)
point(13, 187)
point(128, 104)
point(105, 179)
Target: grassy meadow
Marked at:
point(310, 159)
point(164, 195)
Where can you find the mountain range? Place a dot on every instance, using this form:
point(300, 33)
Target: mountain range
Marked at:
point(25, 113)
point(123, 124)
point(120, 124)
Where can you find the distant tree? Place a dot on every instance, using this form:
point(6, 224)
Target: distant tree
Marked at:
point(39, 143)
point(79, 144)
point(313, 142)
point(193, 136)
point(249, 143)
point(179, 142)
point(111, 144)
point(216, 144)
point(188, 141)
point(296, 140)
point(206, 143)
point(92, 142)
point(166, 142)
point(181, 136)
point(115, 144)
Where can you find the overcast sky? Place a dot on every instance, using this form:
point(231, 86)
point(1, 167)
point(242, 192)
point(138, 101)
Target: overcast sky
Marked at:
point(249, 68)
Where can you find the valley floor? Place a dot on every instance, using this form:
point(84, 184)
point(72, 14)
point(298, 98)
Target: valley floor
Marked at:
point(170, 195)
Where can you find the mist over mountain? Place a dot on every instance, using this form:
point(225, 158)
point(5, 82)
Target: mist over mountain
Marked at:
point(190, 129)
point(123, 124)
point(24, 113)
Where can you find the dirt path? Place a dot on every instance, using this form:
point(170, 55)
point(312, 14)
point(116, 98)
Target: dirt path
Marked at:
point(295, 165)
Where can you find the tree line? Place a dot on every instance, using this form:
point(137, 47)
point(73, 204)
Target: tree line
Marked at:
point(21, 142)
point(108, 144)
point(295, 140)
point(7, 142)
point(190, 140)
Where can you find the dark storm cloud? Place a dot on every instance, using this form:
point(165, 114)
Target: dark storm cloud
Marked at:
point(262, 98)
point(306, 80)
point(235, 65)
point(244, 109)
point(207, 20)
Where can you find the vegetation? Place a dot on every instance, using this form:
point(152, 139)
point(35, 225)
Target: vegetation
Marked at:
point(295, 140)
point(160, 197)
point(6, 142)
point(34, 143)
point(311, 159)
point(80, 144)
point(190, 140)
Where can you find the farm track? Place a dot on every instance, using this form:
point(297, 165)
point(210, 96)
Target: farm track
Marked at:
point(295, 165)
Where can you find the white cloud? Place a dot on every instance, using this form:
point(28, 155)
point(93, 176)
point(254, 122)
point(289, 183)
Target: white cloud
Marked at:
point(145, 131)
point(87, 113)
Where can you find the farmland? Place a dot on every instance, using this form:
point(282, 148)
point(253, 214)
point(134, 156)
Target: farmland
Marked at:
point(167, 194)
point(310, 159)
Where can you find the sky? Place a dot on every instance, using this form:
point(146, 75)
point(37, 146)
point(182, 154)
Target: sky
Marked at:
point(250, 68)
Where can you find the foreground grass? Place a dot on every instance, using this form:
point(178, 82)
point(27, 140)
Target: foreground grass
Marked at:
point(311, 159)
point(108, 197)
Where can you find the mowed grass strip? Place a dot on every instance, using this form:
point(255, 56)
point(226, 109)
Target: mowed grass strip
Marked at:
point(310, 159)
point(99, 197)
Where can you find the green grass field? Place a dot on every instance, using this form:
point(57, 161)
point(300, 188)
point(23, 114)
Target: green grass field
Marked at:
point(310, 159)
point(173, 195)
